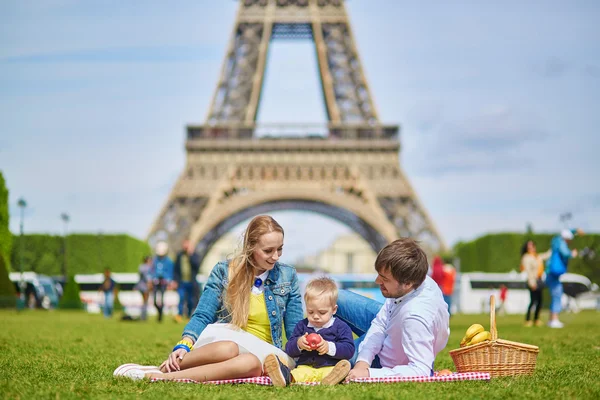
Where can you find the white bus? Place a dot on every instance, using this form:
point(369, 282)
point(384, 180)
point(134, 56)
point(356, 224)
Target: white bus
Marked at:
point(473, 289)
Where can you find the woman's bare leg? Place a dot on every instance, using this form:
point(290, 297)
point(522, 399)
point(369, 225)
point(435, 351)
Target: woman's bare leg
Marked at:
point(241, 366)
point(209, 354)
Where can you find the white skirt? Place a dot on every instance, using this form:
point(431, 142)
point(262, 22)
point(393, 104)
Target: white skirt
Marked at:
point(247, 342)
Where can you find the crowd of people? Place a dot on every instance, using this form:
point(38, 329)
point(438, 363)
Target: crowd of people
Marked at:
point(157, 274)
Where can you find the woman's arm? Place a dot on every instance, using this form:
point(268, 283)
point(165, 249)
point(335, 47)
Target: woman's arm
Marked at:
point(545, 255)
point(210, 303)
point(293, 313)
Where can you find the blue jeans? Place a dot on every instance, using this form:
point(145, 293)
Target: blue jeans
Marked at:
point(159, 288)
point(555, 287)
point(448, 300)
point(109, 302)
point(186, 295)
point(358, 312)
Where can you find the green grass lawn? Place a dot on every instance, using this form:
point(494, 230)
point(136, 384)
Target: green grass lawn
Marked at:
point(62, 354)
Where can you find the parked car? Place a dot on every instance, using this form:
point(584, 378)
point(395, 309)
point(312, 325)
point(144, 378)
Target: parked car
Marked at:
point(40, 290)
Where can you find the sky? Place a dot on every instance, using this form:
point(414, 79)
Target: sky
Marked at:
point(497, 101)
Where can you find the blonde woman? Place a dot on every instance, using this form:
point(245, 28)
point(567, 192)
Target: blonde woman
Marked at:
point(246, 304)
point(533, 265)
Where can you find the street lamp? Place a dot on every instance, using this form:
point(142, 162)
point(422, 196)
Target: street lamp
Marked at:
point(565, 218)
point(65, 218)
point(22, 204)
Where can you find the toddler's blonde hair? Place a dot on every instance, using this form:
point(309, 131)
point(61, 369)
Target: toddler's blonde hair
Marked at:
point(322, 286)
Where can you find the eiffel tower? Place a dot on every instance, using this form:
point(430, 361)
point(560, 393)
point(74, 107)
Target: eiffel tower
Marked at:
point(348, 169)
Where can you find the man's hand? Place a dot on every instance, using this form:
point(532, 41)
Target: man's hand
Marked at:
point(322, 347)
point(360, 370)
point(303, 343)
point(574, 253)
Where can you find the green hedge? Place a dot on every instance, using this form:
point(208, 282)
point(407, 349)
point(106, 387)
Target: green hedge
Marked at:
point(502, 253)
point(86, 254)
point(5, 235)
point(8, 297)
point(71, 299)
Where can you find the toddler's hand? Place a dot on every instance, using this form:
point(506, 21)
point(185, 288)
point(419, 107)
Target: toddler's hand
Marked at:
point(303, 343)
point(323, 347)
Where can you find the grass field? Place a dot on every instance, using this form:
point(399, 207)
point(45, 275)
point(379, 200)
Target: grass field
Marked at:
point(61, 354)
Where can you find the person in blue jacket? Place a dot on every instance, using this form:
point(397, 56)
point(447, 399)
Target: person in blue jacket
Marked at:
point(556, 266)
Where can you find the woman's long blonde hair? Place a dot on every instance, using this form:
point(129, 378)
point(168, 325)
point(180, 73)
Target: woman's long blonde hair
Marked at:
point(242, 268)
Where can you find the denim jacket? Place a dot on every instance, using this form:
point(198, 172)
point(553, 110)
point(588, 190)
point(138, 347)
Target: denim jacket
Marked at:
point(282, 296)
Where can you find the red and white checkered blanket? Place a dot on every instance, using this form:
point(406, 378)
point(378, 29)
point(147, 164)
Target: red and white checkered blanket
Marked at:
point(265, 380)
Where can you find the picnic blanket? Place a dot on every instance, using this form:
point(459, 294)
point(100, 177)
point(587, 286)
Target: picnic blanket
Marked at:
point(265, 380)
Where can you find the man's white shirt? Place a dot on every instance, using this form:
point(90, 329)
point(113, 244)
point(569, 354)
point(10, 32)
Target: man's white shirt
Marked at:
point(408, 333)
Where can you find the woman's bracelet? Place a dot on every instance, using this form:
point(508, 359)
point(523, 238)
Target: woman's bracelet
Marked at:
point(183, 344)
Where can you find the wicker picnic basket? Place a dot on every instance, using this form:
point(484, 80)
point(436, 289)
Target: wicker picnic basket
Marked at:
point(498, 357)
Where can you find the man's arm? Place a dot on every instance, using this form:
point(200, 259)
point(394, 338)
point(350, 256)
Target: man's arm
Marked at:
point(564, 250)
point(417, 342)
point(373, 341)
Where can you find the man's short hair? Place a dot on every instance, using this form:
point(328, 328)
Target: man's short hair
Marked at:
point(322, 287)
point(406, 261)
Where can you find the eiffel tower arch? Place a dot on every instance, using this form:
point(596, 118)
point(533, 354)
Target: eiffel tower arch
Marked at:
point(348, 169)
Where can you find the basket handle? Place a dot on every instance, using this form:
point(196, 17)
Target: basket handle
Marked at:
point(493, 329)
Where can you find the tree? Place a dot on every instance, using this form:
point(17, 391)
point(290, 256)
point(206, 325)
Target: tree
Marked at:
point(5, 235)
point(7, 288)
point(8, 298)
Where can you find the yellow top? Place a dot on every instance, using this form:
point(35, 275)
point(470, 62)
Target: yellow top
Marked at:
point(258, 318)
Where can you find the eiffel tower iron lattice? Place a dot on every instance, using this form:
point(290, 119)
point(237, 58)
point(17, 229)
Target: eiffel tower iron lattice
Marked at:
point(348, 170)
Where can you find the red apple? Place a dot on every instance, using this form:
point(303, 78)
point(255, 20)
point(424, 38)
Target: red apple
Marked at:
point(313, 340)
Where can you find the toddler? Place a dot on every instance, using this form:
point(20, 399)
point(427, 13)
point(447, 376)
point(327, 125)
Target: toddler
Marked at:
point(331, 340)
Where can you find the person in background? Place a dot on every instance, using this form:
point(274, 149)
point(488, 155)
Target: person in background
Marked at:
point(108, 287)
point(162, 275)
point(437, 270)
point(502, 296)
point(532, 264)
point(557, 265)
point(448, 280)
point(187, 265)
point(145, 284)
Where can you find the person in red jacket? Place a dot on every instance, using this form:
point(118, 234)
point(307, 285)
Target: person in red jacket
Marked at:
point(503, 293)
point(448, 280)
point(437, 268)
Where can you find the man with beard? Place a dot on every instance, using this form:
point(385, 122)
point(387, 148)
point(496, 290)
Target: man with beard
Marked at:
point(402, 336)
